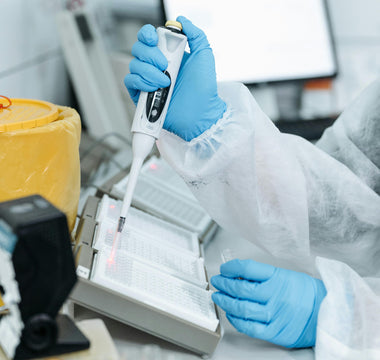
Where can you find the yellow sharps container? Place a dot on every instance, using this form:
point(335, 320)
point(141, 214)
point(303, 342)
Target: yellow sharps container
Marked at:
point(39, 153)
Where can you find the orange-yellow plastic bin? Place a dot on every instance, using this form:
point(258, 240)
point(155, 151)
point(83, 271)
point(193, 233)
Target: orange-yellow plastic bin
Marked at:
point(39, 153)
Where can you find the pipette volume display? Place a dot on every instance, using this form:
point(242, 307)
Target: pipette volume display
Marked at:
point(150, 115)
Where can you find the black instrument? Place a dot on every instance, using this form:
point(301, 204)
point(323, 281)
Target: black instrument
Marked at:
point(36, 235)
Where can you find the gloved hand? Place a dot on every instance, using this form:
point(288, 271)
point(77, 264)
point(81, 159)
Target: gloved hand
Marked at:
point(269, 303)
point(195, 105)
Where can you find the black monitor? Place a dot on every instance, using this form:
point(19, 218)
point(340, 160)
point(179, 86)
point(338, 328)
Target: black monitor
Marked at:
point(263, 41)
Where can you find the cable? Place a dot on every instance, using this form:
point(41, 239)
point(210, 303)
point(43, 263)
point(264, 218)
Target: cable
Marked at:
point(9, 102)
point(87, 184)
point(100, 140)
point(116, 163)
point(94, 186)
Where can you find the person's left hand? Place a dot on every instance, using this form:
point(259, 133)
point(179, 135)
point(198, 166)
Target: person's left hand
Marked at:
point(269, 303)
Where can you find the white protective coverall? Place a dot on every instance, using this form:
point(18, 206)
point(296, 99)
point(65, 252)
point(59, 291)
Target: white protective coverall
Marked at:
point(318, 204)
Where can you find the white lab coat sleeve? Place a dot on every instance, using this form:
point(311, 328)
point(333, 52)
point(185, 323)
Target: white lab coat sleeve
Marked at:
point(277, 190)
point(289, 197)
point(235, 169)
point(349, 317)
point(354, 138)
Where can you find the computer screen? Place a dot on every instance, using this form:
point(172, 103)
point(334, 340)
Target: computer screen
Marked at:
point(258, 41)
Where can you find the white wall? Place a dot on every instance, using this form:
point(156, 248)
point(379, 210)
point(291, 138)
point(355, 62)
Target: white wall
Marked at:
point(31, 64)
point(356, 27)
point(355, 19)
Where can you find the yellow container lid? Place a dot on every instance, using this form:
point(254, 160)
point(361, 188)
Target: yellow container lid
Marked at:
point(26, 114)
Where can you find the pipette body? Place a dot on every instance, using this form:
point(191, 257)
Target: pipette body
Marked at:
point(150, 115)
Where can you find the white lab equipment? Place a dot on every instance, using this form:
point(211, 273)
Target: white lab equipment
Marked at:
point(161, 192)
point(92, 76)
point(151, 112)
point(297, 202)
point(157, 283)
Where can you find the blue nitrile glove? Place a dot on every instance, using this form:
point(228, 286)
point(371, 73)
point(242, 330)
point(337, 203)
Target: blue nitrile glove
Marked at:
point(195, 105)
point(269, 303)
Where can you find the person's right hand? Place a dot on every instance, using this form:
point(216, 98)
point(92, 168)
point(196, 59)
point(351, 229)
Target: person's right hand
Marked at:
point(195, 105)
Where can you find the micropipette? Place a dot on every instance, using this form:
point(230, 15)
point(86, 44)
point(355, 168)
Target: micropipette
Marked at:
point(150, 115)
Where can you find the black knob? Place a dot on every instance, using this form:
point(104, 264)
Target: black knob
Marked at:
point(40, 332)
